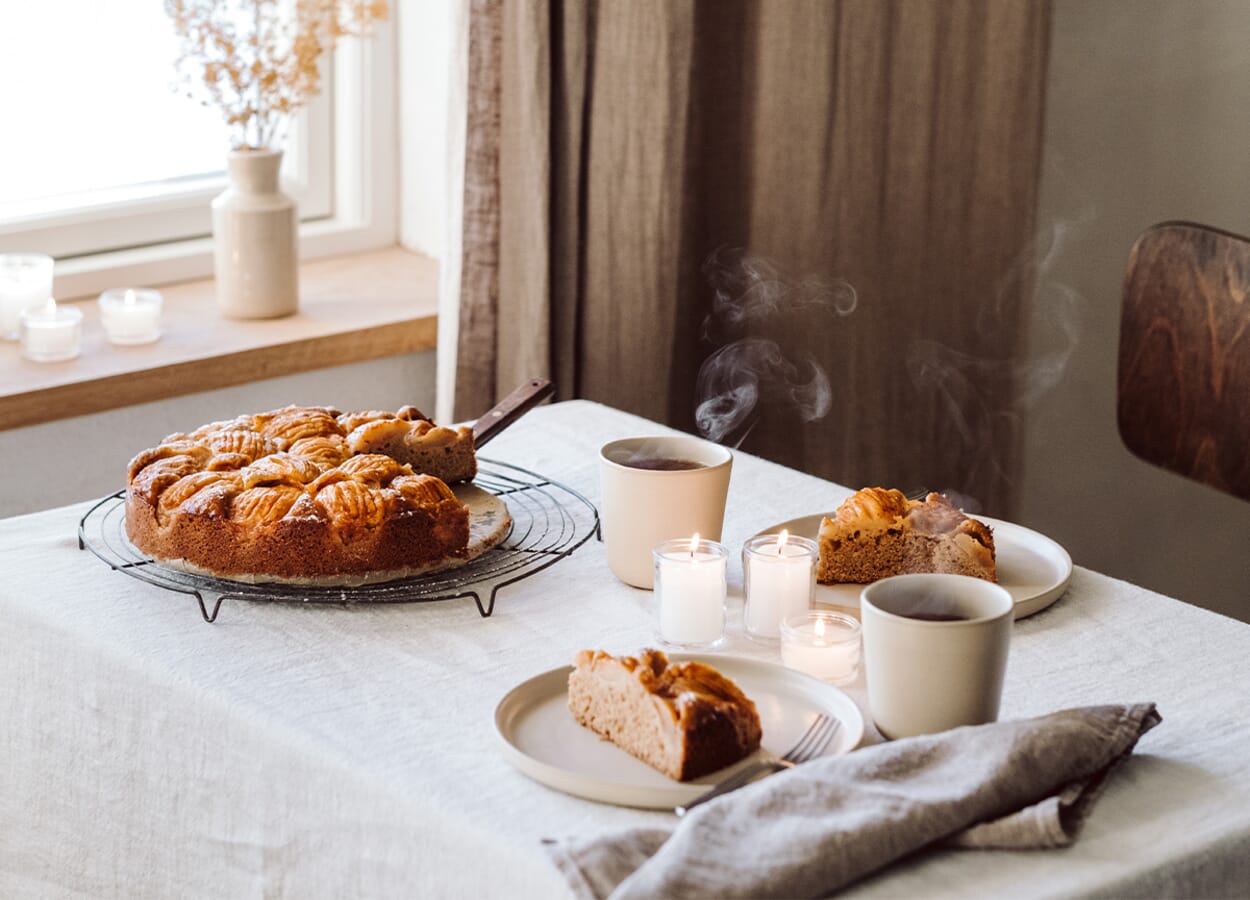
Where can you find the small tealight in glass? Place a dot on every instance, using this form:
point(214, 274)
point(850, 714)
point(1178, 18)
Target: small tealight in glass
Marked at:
point(823, 644)
point(780, 577)
point(131, 315)
point(690, 592)
point(25, 281)
point(50, 332)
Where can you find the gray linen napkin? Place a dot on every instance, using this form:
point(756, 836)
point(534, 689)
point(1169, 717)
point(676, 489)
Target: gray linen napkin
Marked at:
point(818, 827)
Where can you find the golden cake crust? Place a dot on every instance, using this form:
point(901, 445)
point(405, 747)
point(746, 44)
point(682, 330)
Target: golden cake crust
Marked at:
point(878, 532)
point(684, 719)
point(282, 495)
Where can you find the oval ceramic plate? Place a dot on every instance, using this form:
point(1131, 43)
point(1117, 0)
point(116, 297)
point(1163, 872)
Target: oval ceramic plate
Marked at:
point(543, 740)
point(1034, 569)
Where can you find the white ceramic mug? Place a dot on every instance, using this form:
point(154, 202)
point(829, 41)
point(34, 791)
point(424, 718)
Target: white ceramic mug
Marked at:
point(642, 507)
point(935, 651)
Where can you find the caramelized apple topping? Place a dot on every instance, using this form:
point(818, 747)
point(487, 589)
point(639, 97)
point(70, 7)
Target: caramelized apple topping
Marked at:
point(379, 431)
point(348, 503)
point(185, 488)
point(423, 489)
point(264, 505)
point(294, 424)
point(374, 468)
point(351, 421)
point(245, 443)
point(188, 449)
point(280, 468)
point(326, 451)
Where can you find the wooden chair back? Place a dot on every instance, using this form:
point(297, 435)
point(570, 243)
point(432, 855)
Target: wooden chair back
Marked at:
point(1183, 398)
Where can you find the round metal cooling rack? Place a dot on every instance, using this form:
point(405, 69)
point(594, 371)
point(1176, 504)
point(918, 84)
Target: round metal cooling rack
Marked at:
point(549, 522)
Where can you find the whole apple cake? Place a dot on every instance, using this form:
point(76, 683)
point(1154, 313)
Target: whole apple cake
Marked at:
point(304, 494)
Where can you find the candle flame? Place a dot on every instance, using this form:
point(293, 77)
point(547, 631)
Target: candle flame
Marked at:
point(49, 308)
point(819, 629)
point(130, 297)
point(781, 541)
point(694, 543)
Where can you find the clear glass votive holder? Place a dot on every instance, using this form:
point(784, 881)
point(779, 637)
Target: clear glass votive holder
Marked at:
point(780, 581)
point(131, 315)
point(25, 281)
point(823, 644)
point(690, 592)
point(51, 332)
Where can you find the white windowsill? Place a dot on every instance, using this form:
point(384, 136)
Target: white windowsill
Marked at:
point(352, 309)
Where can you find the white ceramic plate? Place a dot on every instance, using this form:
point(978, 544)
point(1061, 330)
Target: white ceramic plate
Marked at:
point(1032, 567)
point(542, 739)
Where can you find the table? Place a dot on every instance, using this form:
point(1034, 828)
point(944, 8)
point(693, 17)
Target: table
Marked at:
point(303, 751)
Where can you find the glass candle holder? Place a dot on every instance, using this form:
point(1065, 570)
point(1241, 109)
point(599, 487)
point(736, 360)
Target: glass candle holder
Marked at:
point(690, 592)
point(50, 332)
point(823, 644)
point(780, 576)
point(25, 281)
point(131, 315)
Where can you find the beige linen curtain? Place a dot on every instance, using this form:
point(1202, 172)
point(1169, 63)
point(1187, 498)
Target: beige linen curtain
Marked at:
point(808, 193)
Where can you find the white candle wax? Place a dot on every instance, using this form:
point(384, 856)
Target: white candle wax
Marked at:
point(780, 582)
point(131, 315)
point(25, 281)
point(690, 592)
point(50, 333)
point(823, 644)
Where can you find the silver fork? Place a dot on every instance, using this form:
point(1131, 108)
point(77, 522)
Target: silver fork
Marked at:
point(813, 743)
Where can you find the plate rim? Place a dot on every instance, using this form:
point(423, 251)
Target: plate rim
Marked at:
point(632, 795)
point(1023, 607)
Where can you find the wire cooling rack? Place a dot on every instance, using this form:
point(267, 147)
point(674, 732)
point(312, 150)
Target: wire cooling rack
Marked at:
point(549, 522)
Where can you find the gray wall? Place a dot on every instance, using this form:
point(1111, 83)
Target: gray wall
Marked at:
point(74, 459)
point(1146, 121)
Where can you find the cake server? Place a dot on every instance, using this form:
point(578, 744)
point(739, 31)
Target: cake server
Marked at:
point(511, 408)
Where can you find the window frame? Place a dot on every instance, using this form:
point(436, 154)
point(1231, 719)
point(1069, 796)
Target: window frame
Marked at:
point(352, 209)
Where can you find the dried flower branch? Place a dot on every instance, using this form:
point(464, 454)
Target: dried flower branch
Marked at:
point(257, 60)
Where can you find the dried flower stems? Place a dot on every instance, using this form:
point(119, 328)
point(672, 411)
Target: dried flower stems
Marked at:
point(257, 60)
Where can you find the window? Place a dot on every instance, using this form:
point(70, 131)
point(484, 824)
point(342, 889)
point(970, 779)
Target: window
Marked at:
point(114, 171)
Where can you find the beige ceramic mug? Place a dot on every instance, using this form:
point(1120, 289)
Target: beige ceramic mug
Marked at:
point(655, 489)
point(935, 651)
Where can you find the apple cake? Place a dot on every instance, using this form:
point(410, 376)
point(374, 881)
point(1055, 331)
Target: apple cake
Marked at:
point(878, 532)
point(684, 719)
point(304, 494)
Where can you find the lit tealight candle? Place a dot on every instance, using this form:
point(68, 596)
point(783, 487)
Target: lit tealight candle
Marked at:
point(131, 315)
point(25, 281)
point(823, 644)
point(50, 333)
point(780, 582)
point(690, 591)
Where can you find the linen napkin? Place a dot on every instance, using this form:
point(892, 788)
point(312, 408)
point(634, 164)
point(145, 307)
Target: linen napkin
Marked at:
point(818, 827)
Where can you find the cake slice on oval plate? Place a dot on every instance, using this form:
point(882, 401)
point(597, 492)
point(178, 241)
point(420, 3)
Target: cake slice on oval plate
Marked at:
point(878, 532)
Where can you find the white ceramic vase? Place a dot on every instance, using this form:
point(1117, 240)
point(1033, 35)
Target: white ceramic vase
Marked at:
point(254, 240)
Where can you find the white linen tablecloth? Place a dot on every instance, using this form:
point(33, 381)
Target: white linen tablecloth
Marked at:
point(323, 751)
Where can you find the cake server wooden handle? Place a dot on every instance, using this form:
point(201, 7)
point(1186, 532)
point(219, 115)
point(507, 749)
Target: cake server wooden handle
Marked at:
point(511, 408)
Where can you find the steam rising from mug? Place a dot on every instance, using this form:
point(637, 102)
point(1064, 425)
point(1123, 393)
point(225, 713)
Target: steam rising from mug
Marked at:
point(737, 376)
point(750, 299)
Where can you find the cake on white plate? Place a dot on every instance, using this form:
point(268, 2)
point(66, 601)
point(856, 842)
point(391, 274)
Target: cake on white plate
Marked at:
point(684, 719)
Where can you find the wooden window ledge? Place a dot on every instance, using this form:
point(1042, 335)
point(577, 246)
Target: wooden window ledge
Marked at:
point(352, 309)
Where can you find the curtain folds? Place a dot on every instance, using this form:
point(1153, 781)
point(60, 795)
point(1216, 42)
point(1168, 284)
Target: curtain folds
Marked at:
point(704, 203)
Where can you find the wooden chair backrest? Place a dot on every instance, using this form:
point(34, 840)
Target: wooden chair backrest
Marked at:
point(1183, 390)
